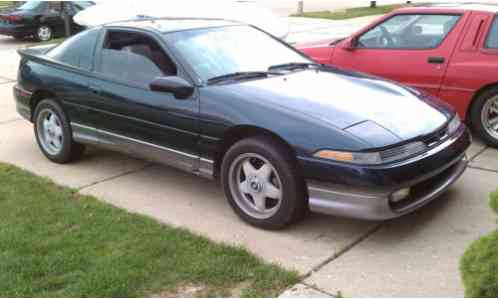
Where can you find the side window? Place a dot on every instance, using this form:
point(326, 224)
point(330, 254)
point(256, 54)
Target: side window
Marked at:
point(492, 41)
point(424, 31)
point(78, 51)
point(55, 5)
point(134, 57)
point(81, 5)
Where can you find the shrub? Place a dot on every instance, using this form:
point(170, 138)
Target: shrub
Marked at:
point(494, 201)
point(479, 264)
point(479, 267)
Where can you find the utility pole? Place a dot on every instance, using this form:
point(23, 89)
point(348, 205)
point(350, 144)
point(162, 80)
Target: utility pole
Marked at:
point(65, 15)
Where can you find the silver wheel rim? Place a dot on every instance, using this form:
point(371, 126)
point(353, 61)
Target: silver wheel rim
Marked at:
point(50, 133)
point(44, 33)
point(489, 117)
point(255, 186)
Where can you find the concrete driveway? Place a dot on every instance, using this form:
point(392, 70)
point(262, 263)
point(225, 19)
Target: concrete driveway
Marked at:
point(416, 255)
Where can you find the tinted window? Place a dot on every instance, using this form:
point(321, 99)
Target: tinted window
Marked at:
point(55, 5)
point(492, 41)
point(81, 5)
point(409, 32)
point(78, 51)
point(134, 58)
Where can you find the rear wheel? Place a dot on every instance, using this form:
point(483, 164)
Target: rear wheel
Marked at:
point(53, 133)
point(484, 116)
point(44, 33)
point(262, 183)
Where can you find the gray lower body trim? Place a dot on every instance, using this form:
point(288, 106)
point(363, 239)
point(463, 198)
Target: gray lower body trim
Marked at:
point(152, 152)
point(375, 204)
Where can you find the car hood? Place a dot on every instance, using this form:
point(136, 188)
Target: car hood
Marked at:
point(345, 100)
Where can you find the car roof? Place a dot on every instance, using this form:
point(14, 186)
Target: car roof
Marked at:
point(449, 6)
point(167, 25)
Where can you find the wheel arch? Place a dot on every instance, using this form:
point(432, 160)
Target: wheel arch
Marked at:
point(476, 95)
point(237, 133)
point(38, 96)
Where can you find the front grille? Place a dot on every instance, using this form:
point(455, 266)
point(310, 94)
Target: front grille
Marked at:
point(414, 148)
point(421, 190)
point(404, 151)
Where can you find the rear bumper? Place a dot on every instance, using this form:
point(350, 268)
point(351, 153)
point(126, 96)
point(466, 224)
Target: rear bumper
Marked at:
point(374, 202)
point(16, 30)
point(22, 98)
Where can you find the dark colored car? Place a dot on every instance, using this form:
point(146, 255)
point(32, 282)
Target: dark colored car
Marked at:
point(40, 19)
point(227, 101)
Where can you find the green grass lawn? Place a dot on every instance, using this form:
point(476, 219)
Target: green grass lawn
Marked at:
point(55, 242)
point(350, 12)
point(5, 3)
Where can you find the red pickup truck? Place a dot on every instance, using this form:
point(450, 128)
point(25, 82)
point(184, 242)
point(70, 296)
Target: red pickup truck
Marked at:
point(450, 51)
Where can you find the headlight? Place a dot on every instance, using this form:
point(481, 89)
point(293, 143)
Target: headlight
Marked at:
point(373, 158)
point(454, 125)
point(351, 157)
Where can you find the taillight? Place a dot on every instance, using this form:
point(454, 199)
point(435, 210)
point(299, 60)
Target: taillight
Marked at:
point(13, 18)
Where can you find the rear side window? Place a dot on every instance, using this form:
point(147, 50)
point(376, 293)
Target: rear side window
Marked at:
point(135, 58)
point(492, 42)
point(78, 51)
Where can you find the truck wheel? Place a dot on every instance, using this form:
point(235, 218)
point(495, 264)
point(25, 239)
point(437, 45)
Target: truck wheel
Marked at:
point(484, 116)
point(44, 33)
point(262, 183)
point(53, 133)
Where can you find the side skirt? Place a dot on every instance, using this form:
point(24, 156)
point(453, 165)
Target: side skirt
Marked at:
point(148, 151)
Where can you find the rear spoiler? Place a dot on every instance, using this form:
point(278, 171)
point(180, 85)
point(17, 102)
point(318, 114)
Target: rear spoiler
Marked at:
point(35, 52)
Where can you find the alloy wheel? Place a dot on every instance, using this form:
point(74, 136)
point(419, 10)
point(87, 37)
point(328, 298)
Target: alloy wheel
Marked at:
point(50, 132)
point(255, 185)
point(489, 116)
point(44, 33)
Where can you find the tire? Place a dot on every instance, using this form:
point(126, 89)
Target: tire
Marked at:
point(484, 112)
point(54, 135)
point(274, 173)
point(44, 33)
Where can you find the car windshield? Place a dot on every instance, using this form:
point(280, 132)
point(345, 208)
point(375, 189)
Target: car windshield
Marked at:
point(215, 52)
point(30, 5)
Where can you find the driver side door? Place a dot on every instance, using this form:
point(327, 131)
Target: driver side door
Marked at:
point(413, 49)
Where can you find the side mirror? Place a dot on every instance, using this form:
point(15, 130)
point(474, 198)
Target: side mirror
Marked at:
point(179, 87)
point(350, 44)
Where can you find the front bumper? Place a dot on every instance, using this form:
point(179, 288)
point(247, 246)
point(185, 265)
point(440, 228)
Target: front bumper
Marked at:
point(374, 202)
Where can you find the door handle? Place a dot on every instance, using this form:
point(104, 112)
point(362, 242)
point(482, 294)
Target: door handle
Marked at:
point(436, 60)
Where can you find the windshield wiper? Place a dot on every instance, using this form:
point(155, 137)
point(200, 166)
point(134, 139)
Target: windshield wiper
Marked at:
point(240, 76)
point(293, 66)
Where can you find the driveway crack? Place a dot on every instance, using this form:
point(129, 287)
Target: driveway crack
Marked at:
point(483, 169)
point(115, 177)
point(342, 251)
point(478, 154)
point(314, 287)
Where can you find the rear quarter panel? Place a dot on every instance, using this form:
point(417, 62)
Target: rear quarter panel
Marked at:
point(65, 84)
point(472, 66)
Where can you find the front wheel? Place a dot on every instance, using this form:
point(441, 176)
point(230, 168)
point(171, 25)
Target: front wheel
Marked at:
point(53, 133)
point(44, 33)
point(484, 116)
point(262, 183)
